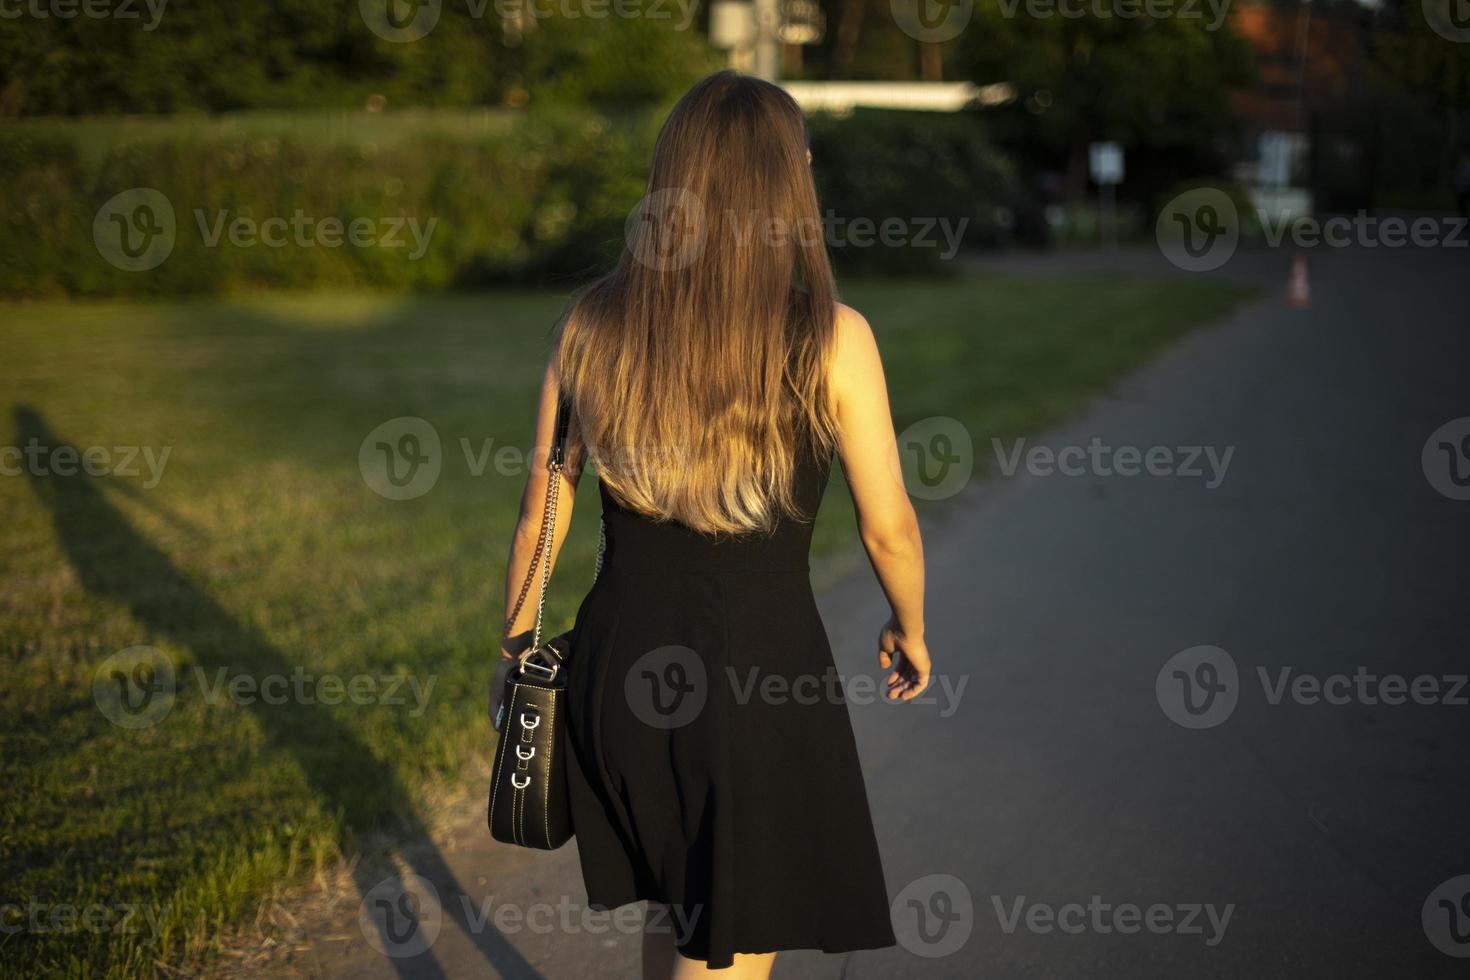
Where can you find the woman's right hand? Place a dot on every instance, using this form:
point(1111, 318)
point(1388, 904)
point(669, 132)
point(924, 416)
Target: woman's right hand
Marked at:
point(907, 657)
point(886, 520)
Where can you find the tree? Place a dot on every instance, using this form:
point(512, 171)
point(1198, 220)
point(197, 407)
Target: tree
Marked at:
point(286, 54)
point(1421, 73)
point(1159, 85)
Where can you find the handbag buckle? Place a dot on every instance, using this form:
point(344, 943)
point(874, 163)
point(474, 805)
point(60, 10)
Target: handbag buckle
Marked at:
point(547, 672)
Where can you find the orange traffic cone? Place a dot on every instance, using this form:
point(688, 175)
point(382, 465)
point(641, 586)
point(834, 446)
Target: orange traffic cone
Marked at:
point(1299, 294)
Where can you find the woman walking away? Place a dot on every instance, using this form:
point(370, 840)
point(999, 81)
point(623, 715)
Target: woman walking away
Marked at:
point(710, 377)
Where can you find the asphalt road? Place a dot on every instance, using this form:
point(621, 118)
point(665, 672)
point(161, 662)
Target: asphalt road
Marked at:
point(1053, 819)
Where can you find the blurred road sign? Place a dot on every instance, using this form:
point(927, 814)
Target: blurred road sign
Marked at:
point(1105, 161)
point(1281, 156)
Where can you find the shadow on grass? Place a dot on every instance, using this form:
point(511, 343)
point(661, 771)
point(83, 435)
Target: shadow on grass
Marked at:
point(114, 561)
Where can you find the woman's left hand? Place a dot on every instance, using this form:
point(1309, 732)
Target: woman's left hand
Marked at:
point(497, 688)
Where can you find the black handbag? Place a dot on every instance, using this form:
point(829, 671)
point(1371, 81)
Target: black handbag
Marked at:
point(528, 780)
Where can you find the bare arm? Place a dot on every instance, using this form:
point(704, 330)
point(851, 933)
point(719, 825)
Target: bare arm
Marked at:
point(516, 637)
point(886, 521)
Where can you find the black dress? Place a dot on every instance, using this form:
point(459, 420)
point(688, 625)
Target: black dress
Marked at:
point(713, 762)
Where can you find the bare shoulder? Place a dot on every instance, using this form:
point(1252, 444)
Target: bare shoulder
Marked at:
point(851, 325)
point(855, 351)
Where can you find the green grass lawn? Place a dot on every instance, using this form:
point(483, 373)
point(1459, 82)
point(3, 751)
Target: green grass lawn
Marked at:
point(262, 552)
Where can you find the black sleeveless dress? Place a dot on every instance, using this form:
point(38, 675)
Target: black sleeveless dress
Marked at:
point(713, 762)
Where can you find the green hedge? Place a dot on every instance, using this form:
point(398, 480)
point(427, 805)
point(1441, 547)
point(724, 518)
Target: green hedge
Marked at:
point(918, 167)
point(543, 199)
point(548, 195)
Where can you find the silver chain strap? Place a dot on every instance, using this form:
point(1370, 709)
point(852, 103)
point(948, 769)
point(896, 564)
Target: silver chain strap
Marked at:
point(601, 548)
point(554, 471)
point(553, 492)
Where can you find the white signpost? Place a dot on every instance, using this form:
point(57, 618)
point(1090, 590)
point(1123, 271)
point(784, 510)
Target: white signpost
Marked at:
point(1105, 163)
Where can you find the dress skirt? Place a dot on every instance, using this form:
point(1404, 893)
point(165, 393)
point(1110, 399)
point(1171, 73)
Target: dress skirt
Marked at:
point(714, 768)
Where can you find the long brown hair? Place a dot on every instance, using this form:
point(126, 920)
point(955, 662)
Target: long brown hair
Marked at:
point(698, 365)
